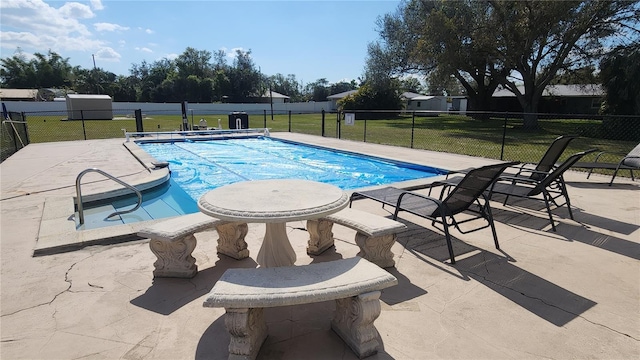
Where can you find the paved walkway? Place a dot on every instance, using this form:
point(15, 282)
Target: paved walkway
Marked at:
point(574, 293)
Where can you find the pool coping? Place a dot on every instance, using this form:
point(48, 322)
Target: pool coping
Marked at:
point(58, 234)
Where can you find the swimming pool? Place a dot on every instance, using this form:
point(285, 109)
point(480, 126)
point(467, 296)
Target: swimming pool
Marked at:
point(198, 166)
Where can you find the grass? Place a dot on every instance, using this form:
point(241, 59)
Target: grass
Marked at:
point(446, 133)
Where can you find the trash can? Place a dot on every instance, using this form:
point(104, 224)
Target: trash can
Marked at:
point(238, 118)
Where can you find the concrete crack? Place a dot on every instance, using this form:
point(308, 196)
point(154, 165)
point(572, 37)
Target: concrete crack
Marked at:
point(554, 306)
point(66, 279)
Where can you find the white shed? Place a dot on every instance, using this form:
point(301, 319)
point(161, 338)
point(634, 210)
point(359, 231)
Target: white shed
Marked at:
point(89, 107)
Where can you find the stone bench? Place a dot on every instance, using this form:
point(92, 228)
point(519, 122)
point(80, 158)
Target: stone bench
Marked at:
point(354, 283)
point(173, 242)
point(375, 234)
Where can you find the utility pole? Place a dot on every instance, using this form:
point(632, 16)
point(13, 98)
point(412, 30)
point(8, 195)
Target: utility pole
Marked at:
point(95, 73)
point(271, 99)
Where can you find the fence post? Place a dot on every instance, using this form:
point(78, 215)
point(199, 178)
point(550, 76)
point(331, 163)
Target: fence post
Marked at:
point(504, 136)
point(413, 126)
point(265, 118)
point(138, 114)
point(26, 127)
point(338, 125)
point(84, 131)
point(289, 120)
point(365, 131)
point(338, 128)
point(322, 123)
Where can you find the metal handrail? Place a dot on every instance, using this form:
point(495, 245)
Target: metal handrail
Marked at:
point(79, 193)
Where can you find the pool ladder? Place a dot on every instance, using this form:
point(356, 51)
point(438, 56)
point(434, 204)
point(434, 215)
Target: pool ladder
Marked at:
point(79, 193)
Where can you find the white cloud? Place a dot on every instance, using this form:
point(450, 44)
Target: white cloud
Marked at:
point(97, 4)
point(109, 27)
point(148, 31)
point(108, 54)
point(171, 56)
point(144, 49)
point(232, 53)
point(76, 10)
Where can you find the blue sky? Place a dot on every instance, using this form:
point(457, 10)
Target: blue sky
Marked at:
point(310, 39)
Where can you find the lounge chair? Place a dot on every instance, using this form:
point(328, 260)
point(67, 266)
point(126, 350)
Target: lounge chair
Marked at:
point(462, 197)
point(546, 163)
point(551, 186)
point(630, 162)
point(551, 156)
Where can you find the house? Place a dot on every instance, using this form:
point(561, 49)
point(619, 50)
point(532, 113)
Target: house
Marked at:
point(19, 94)
point(276, 97)
point(556, 99)
point(419, 102)
point(333, 99)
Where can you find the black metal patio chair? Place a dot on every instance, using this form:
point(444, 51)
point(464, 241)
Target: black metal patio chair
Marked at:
point(462, 197)
point(630, 162)
point(550, 185)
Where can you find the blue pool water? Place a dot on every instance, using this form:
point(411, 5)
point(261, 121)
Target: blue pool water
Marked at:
point(199, 166)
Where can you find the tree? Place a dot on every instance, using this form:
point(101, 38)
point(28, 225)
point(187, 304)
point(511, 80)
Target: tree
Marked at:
point(246, 81)
point(43, 71)
point(620, 74)
point(539, 39)
point(317, 90)
point(438, 39)
point(482, 43)
point(286, 85)
point(373, 97)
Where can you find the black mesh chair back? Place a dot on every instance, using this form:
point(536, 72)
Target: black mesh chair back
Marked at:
point(551, 156)
point(471, 187)
point(556, 174)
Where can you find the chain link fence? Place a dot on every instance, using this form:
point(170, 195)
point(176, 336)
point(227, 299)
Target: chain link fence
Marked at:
point(14, 134)
point(496, 135)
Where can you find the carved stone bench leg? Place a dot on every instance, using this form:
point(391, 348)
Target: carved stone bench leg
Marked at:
point(174, 257)
point(248, 331)
point(377, 249)
point(231, 240)
point(353, 321)
point(320, 236)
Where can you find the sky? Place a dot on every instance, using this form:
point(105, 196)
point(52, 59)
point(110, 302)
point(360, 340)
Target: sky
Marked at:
point(309, 39)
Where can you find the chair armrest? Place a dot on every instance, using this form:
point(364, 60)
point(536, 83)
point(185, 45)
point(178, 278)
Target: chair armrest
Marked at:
point(518, 179)
point(424, 197)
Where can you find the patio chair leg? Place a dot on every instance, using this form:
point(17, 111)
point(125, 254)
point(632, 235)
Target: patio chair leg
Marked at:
point(447, 237)
point(568, 202)
point(614, 176)
point(546, 202)
point(493, 226)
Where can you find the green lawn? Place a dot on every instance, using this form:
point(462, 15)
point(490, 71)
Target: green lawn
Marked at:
point(446, 133)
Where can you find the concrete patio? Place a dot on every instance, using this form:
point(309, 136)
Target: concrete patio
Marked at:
point(570, 294)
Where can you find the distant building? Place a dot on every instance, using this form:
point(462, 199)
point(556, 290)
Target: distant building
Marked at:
point(333, 99)
point(265, 98)
point(19, 94)
point(556, 99)
point(419, 102)
point(89, 107)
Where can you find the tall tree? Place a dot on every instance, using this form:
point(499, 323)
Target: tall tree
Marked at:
point(43, 71)
point(538, 39)
point(439, 38)
point(620, 74)
point(317, 90)
point(287, 85)
point(245, 79)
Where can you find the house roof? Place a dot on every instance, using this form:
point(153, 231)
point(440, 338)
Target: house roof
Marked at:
point(588, 90)
point(90, 96)
point(341, 95)
point(275, 95)
point(18, 93)
point(416, 97)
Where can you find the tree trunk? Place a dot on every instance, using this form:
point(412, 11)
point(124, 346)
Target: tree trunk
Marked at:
point(530, 116)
